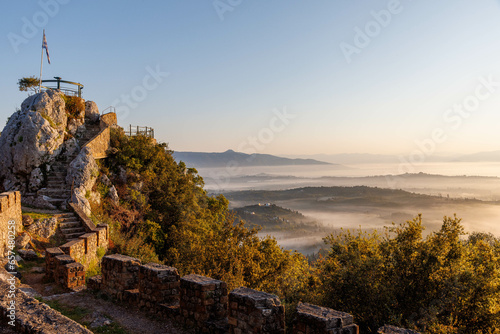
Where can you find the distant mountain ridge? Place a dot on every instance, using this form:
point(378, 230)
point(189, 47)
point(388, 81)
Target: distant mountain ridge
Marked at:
point(490, 156)
point(222, 159)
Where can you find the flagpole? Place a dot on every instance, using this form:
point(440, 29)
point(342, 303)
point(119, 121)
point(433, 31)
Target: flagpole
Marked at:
point(41, 66)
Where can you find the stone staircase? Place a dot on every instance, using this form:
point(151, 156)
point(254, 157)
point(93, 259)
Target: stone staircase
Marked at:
point(57, 191)
point(70, 226)
point(91, 130)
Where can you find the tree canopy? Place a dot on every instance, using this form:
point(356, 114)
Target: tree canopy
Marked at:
point(28, 84)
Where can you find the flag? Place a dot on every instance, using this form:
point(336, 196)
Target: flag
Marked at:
point(44, 46)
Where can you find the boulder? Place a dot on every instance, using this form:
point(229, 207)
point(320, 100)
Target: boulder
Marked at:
point(74, 124)
point(27, 220)
point(36, 179)
point(22, 240)
point(83, 172)
point(71, 147)
point(113, 194)
point(31, 139)
point(105, 180)
point(50, 104)
point(91, 111)
point(38, 202)
point(28, 254)
point(44, 228)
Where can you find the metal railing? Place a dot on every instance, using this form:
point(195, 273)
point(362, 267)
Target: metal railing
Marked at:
point(140, 130)
point(66, 89)
point(111, 109)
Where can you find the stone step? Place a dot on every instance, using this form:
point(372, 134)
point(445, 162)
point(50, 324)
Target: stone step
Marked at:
point(56, 201)
point(73, 236)
point(61, 173)
point(72, 230)
point(67, 217)
point(55, 177)
point(49, 191)
point(56, 184)
point(72, 224)
point(58, 167)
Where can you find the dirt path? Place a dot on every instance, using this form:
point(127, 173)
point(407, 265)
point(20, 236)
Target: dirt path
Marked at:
point(131, 319)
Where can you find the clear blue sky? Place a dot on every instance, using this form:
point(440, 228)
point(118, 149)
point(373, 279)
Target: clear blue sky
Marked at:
point(229, 69)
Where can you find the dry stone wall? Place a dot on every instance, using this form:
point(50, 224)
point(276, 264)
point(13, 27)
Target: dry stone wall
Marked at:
point(10, 211)
point(202, 300)
point(321, 320)
point(63, 269)
point(158, 284)
point(395, 330)
point(252, 311)
point(119, 273)
point(203, 303)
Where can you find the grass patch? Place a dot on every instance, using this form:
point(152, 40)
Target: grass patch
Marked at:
point(74, 313)
point(36, 215)
point(25, 266)
point(78, 314)
point(114, 328)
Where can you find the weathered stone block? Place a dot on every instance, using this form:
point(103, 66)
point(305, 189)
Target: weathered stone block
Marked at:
point(255, 312)
point(316, 319)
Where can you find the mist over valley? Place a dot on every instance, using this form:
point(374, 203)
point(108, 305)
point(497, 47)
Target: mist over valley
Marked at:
point(366, 196)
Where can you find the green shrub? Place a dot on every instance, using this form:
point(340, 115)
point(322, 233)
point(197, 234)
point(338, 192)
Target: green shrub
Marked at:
point(74, 105)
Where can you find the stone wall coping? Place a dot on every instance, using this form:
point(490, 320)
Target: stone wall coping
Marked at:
point(8, 199)
point(54, 251)
point(331, 317)
point(71, 243)
point(256, 298)
point(159, 268)
point(200, 280)
point(74, 265)
point(387, 329)
point(88, 224)
point(64, 259)
point(87, 235)
point(121, 258)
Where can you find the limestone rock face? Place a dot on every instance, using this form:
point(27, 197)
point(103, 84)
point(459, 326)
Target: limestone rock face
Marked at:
point(36, 179)
point(113, 194)
point(82, 173)
point(31, 140)
point(91, 111)
point(50, 104)
point(22, 240)
point(71, 147)
point(43, 227)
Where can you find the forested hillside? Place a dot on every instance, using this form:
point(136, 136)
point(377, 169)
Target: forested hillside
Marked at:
point(447, 282)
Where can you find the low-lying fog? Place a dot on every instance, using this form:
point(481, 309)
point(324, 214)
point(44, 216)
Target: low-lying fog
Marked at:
point(456, 180)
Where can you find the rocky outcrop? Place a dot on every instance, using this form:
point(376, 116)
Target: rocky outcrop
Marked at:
point(91, 111)
point(82, 174)
point(32, 139)
point(44, 228)
point(48, 150)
